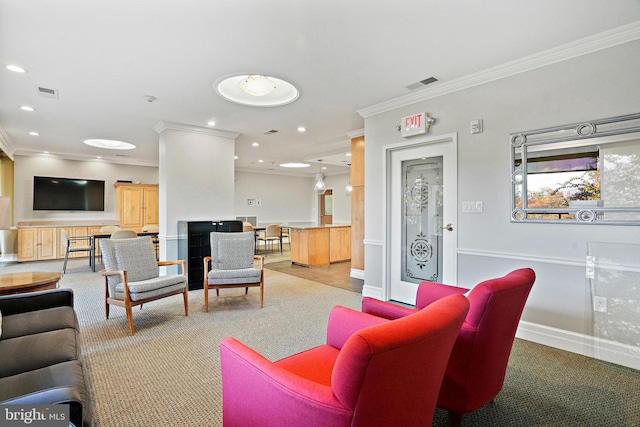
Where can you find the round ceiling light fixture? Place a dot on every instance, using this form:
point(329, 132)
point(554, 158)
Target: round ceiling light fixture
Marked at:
point(109, 144)
point(256, 90)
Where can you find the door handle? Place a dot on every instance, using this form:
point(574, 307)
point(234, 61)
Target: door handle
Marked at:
point(449, 227)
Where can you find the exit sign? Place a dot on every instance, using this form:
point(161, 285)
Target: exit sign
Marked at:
point(413, 125)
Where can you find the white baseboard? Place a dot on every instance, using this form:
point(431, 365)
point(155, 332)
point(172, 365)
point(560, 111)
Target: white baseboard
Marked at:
point(8, 257)
point(357, 274)
point(372, 291)
point(608, 351)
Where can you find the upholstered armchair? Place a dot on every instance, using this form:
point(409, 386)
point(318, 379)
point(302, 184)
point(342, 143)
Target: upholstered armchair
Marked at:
point(370, 372)
point(478, 364)
point(231, 265)
point(132, 275)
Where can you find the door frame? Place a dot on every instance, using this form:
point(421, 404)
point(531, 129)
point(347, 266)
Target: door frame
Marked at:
point(447, 146)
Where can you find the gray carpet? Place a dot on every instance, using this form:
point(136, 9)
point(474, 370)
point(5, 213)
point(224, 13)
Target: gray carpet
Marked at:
point(168, 374)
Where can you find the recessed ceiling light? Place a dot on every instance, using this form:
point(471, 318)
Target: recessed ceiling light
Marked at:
point(235, 157)
point(295, 165)
point(109, 144)
point(27, 108)
point(45, 152)
point(16, 68)
point(211, 123)
point(260, 161)
point(302, 129)
point(34, 133)
point(348, 154)
point(240, 90)
point(255, 144)
point(98, 157)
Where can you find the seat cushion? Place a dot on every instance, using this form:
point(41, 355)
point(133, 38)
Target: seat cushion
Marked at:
point(65, 374)
point(26, 353)
point(34, 322)
point(230, 277)
point(315, 364)
point(152, 288)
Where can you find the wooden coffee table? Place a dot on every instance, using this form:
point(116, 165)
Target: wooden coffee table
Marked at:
point(28, 281)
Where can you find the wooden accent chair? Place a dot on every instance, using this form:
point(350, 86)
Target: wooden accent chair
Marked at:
point(370, 372)
point(132, 275)
point(231, 265)
point(478, 364)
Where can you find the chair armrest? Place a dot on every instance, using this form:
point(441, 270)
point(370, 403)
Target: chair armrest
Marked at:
point(429, 292)
point(344, 322)
point(250, 381)
point(182, 263)
point(33, 301)
point(385, 309)
point(121, 273)
point(261, 259)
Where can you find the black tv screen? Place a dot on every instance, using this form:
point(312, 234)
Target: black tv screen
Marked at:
point(67, 194)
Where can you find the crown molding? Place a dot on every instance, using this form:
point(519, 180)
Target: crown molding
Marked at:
point(604, 40)
point(164, 125)
point(81, 158)
point(6, 143)
point(355, 133)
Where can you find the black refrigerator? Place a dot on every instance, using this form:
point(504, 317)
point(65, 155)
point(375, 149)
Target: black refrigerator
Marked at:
point(194, 244)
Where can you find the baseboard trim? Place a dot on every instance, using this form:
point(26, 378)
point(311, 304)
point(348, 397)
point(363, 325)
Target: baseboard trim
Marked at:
point(608, 351)
point(357, 274)
point(372, 291)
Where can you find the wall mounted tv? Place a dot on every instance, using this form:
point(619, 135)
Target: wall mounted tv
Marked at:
point(67, 194)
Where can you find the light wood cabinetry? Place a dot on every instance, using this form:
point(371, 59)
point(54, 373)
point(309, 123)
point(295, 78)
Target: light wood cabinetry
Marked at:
point(309, 247)
point(339, 244)
point(136, 205)
point(36, 244)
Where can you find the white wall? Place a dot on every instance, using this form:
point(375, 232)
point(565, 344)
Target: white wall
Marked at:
point(598, 85)
point(26, 167)
point(341, 203)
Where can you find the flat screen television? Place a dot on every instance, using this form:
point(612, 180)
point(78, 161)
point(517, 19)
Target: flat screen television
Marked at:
point(67, 194)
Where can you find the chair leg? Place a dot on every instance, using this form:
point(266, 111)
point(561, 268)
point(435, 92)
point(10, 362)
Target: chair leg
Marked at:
point(261, 294)
point(206, 298)
point(186, 301)
point(64, 266)
point(455, 419)
point(246, 291)
point(129, 316)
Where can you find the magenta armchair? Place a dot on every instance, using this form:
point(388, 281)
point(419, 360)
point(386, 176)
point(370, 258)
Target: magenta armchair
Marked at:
point(478, 363)
point(371, 372)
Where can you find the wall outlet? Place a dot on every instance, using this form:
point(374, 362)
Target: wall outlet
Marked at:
point(600, 304)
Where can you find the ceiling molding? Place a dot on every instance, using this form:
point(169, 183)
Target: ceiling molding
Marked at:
point(6, 143)
point(604, 40)
point(164, 125)
point(355, 133)
point(82, 158)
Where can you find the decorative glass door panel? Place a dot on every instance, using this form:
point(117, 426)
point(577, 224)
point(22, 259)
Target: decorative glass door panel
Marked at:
point(422, 223)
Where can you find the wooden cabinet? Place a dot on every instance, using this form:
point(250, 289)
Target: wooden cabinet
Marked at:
point(36, 244)
point(136, 205)
point(309, 246)
point(339, 244)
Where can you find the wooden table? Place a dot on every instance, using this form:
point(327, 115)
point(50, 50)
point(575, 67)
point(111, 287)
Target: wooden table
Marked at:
point(28, 281)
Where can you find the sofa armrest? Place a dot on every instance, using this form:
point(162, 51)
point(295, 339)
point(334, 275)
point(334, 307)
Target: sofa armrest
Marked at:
point(385, 309)
point(429, 292)
point(56, 396)
point(33, 301)
point(344, 322)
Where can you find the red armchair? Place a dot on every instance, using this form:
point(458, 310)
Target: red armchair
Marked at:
point(371, 372)
point(478, 363)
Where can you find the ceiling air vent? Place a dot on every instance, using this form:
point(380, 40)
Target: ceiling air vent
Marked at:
point(271, 132)
point(47, 93)
point(422, 83)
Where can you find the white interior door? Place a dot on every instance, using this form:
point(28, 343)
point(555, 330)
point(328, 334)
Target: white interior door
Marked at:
point(421, 197)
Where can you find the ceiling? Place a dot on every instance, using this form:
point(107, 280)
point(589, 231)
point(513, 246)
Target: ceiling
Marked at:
point(104, 57)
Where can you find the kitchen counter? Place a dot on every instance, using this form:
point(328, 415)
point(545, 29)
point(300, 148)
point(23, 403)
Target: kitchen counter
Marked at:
point(314, 245)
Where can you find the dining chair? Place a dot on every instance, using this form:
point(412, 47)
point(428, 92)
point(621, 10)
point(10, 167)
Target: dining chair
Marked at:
point(124, 234)
point(272, 234)
point(70, 247)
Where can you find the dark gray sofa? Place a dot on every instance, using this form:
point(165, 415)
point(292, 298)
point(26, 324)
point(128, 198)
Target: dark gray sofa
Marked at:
point(40, 353)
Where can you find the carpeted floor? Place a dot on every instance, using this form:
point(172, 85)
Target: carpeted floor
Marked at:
point(168, 374)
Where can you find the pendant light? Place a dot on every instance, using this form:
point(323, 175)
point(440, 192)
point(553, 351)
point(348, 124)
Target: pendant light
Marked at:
point(348, 189)
point(320, 187)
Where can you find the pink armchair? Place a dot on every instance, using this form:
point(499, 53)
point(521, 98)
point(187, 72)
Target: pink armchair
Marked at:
point(371, 372)
point(478, 363)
